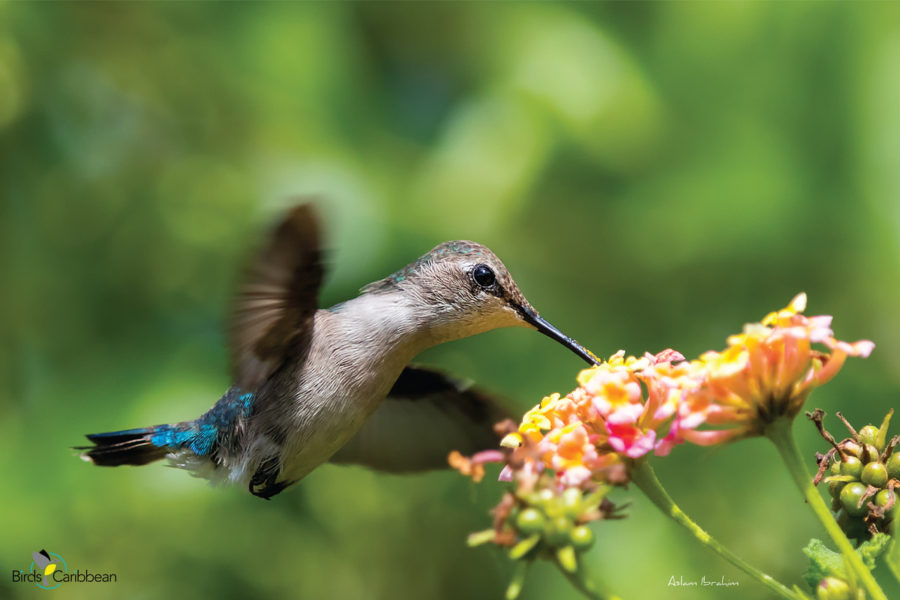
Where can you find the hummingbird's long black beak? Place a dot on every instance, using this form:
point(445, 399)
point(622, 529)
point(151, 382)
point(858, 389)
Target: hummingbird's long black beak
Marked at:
point(552, 332)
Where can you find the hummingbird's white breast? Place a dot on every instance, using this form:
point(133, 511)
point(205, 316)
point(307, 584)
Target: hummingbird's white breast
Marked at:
point(358, 351)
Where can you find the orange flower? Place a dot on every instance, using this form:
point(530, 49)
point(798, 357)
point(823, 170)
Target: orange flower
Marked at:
point(768, 371)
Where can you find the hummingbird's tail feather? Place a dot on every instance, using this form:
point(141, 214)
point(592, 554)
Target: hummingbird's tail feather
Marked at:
point(187, 445)
point(127, 447)
point(211, 446)
point(195, 446)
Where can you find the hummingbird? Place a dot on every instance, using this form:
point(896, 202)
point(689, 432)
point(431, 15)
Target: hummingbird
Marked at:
point(312, 385)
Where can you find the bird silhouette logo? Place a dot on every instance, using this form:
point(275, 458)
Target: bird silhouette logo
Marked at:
point(46, 564)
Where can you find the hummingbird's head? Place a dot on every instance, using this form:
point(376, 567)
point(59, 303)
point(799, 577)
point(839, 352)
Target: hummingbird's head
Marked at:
point(463, 289)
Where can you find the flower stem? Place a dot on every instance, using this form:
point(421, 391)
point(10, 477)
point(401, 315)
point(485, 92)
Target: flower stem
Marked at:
point(645, 478)
point(584, 583)
point(781, 434)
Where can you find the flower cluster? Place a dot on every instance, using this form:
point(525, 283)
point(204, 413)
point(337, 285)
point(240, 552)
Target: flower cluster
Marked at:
point(627, 407)
point(568, 451)
point(589, 434)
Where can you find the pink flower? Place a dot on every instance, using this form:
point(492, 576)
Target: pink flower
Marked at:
point(629, 440)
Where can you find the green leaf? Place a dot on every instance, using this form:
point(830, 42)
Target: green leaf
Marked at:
point(593, 500)
point(824, 562)
point(567, 559)
point(518, 580)
point(840, 478)
point(871, 549)
point(882, 431)
point(480, 537)
point(524, 547)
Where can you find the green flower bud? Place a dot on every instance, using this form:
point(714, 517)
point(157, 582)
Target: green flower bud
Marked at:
point(556, 532)
point(835, 487)
point(870, 452)
point(851, 466)
point(850, 497)
point(582, 537)
point(875, 474)
point(530, 521)
point(883, 497)
point(868, 435)
point(571, 502)
point(893, 466)
point(851, 448)
point(832, 588)
point(545, 497)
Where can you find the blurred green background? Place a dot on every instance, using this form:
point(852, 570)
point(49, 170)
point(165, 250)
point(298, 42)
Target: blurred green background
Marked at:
point(653, 174)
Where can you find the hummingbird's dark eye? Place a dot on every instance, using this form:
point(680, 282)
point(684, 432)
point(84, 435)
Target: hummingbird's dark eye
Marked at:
point(483, 276)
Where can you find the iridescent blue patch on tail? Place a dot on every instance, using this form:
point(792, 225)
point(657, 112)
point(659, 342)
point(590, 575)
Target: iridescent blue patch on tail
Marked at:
point(202, 435)
point(175, 436)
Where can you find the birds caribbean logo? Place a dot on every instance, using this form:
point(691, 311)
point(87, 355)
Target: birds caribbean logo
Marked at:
point(46, 566)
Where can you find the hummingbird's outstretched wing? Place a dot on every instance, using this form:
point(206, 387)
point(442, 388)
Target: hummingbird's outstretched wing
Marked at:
point(426, 415)
point(275, 306)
